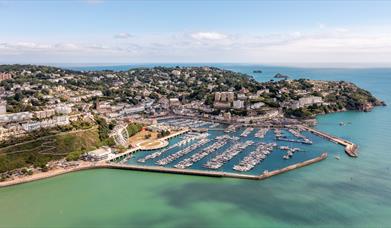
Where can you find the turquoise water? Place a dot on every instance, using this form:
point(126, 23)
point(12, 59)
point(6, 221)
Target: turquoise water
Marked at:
point(345, 192)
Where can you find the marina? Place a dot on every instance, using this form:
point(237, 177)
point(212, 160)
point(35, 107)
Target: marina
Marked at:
point(249, 150)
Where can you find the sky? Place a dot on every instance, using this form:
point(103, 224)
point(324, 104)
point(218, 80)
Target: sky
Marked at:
point(293, 33)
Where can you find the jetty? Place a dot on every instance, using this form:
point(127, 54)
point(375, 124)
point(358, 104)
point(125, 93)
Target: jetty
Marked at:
point(351, 149)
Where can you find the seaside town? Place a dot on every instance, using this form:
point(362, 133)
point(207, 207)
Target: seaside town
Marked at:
point(165, 119)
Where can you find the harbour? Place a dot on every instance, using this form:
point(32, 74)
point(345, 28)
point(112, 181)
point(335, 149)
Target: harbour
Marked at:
point(237, 149)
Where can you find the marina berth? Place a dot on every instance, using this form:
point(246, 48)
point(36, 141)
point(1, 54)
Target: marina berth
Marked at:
point(278, 133)
point(230, 128)
point(181, 153)
point(255, 157)
point(246, 132)
point(261, 133)
point(226, 156)
point(301, 138)
point(220, 142)
point(298, 134)
point(186, 140)
point(214, 125)
point(290, 151)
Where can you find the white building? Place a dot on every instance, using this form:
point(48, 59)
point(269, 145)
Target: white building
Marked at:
point(100, 154)
point(238, 104)
point(176, 72)
point(132, 109)
point(44, 114)
point(174, 102)
point(47, 123)
point(306, 101)
point(63, 109)
point(242, 96)
point(15, 117)
point(257, 105)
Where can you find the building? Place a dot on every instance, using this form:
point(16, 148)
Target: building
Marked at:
point(306, 101)
point(222, 105)
point(99, 154)
point(44, 114)
point(227, 116)
point(176, 72)
point(262, 91)
point(238, 104)
point(257, 105)
point(174, 102)
point(132, 109)
point(47, 123)
point(15, 117)
point(244, 90)
point(103, 107)
point(242, 96)
point(224, 96)
point(5, 76)
point(3, 107)
point(63, 109)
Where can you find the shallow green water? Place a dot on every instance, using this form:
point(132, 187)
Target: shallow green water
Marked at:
point(346, 192)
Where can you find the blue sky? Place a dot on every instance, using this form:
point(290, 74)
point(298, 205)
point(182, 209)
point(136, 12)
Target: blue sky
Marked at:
point(267, 32)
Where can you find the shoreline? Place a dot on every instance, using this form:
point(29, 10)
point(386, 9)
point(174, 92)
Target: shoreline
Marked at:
point(104, 165)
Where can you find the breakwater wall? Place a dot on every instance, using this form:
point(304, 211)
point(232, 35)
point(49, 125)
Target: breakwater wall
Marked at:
point(351, 149)
point(103, 165)
point(217, 173)
point(292, 167)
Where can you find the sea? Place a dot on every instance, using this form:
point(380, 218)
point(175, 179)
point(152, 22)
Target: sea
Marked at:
point(332, 193)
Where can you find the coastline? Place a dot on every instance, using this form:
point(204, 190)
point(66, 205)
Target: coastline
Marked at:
point(51, 173)
point(104, 165)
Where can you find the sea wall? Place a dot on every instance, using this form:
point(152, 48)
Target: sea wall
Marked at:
point(103, 165)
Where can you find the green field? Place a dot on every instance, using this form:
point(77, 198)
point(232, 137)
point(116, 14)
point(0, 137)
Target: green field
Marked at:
point(38, 152)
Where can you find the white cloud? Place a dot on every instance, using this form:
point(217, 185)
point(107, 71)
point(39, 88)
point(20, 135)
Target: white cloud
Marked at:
point(208, 36)
point(326, 45)
point(123, 35)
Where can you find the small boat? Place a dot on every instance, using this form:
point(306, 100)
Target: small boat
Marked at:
point(341, 123)
point(337, 157)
